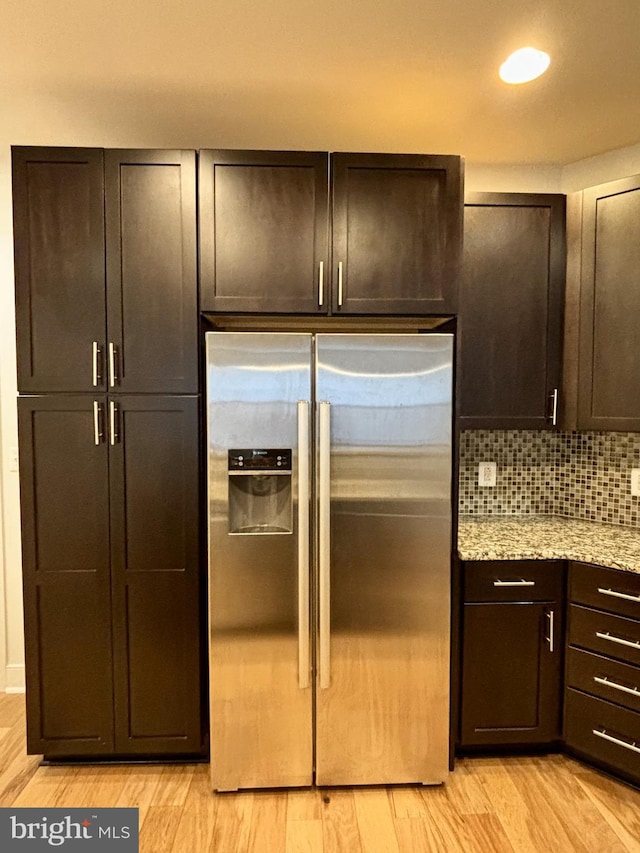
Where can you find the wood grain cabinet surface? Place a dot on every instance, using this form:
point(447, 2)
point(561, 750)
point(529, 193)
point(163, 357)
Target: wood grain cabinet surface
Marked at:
point(511, 310)
point(313, 233)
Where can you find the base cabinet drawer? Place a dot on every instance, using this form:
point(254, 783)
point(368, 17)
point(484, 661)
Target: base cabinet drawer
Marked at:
point(613, 636)
point(603, 733)
point(606, 589)
point(611, 680)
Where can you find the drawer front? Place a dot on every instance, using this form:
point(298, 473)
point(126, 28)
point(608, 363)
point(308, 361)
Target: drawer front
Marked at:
point(608, 679)
point(513, 580)
point(606, 589)
point(604, 633)
point(604, 732)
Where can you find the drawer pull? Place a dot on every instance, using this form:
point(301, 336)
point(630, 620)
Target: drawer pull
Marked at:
point(603, 734)
point(550, 636)
point(521, 582)
point(616, 594)
point(604, 680)
point(633, 644)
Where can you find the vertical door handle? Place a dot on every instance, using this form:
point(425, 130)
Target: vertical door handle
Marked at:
point(303, 543)
point(321, 284)
point(550, 635)
point(324, 536)
point(553, 417)
point(339, 284)
point(114, 430)
point(96, 364)
point(113, 362)
point(98, 434)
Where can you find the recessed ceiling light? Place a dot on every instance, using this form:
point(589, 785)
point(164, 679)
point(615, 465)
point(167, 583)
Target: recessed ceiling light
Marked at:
point(524, 65)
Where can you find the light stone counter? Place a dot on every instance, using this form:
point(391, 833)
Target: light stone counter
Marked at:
point(548, 537)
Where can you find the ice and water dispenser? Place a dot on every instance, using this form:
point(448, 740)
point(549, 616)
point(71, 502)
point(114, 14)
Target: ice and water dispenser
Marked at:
point(260, 491)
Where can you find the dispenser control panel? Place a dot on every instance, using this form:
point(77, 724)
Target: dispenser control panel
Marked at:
point(260, 460)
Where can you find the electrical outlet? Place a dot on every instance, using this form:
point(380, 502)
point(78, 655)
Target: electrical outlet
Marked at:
point(635, 482)
point(487, 473)
point(13, 459)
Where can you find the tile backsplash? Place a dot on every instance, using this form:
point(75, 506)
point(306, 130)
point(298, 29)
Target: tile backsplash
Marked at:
point(575, 474)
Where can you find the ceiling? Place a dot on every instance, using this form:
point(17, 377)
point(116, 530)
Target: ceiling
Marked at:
point(376, 75)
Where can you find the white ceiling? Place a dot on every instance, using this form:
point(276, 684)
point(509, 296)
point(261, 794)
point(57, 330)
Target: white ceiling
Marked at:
point(385, 75)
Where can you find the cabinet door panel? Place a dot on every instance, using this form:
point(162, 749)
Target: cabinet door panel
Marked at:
point(65, 530)
point(263, 231)
point(397, 224)
point(151, 269)
point(155, 574)
point(511, 300)
point(59, 266)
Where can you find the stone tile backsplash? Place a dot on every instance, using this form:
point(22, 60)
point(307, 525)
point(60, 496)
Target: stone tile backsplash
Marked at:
point(583, 475)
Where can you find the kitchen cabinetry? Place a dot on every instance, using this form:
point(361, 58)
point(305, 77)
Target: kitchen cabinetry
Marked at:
point(105, 260)
point(602, 700)
point(267, 245)
point(109, 490)
point(609, 355)
point(512, 629)
point(510, 315)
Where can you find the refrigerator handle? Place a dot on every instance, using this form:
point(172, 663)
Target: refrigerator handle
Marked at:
point(303, 543)
point(324, 520)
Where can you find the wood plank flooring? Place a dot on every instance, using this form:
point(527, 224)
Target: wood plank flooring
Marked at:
point(489, 805)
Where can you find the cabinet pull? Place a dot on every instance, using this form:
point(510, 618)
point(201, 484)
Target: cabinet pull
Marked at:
point(321, 284)
point(553, 417)
point(617, 594)
point(96, 363)
point(549, 638)
point(633, 644)
point(113, 355)
point(521, 582)
point(98, 434)
point(614, 684)
point(339, 284)
point(603, 734)
point(114, 433)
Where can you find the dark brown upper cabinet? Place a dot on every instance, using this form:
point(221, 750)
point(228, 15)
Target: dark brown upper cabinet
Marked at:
point(511, 310)
point(106, 278)
point(264, 231)
point(266, 244)
point(609, 354)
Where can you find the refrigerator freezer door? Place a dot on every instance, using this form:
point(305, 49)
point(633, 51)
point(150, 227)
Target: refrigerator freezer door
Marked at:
point(261, 694)
point(382, 698)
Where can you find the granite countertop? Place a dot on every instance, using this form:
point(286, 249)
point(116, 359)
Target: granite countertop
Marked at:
point(550, 537)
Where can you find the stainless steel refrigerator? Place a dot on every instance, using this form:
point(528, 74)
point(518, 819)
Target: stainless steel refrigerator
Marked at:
point(329, 493)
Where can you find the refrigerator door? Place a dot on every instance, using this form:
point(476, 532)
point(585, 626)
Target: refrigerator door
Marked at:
point(382, 691)
point(258, 424)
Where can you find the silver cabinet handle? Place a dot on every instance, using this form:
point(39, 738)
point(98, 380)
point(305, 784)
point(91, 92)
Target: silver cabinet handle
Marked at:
point(550, 617)
point(633, 644)
point(603, 734)
point(321, 284)
point(98, 435)
point(339, 284)
point(324, 522)
point(113, 377)
point(554, 407)
point(617, 594)
point(634, 691)
point(114, 434)
point(96, 353)
point(303, 544)
point(521, 582)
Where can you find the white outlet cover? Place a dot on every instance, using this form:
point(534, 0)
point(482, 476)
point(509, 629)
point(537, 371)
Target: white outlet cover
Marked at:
point(487, 474)
point(635, 482)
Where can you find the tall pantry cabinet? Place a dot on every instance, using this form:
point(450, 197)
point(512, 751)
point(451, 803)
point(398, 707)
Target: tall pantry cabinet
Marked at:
point(107, 325)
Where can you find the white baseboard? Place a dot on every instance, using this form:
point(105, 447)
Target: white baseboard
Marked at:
point(15, 678)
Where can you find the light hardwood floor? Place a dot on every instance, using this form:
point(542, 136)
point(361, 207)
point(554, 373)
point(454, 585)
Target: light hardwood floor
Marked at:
point(489, 805)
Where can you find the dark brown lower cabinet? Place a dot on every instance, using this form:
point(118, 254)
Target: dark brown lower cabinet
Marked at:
point(109, 495)
point(511, 654)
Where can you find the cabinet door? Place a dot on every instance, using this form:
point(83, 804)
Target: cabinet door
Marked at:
point(510, 316)
point(264, 231)
point(511, 676)
point(397, 228)
point(58, 220)
point(65, 541)
point(609, 361)
point(151, 271)
point(155, 573)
